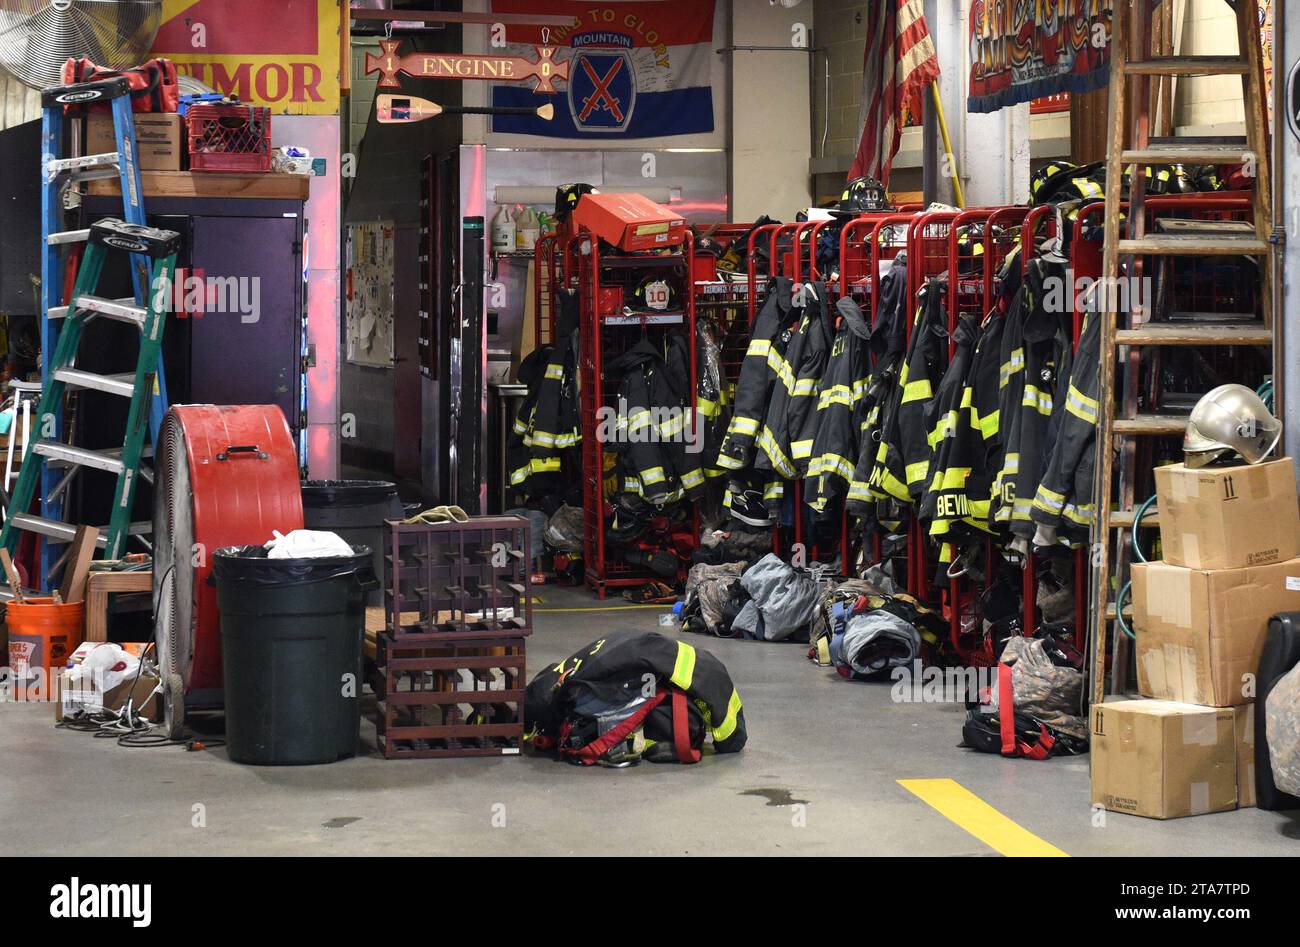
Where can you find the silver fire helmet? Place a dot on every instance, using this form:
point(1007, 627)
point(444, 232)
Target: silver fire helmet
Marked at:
point(1230, 419)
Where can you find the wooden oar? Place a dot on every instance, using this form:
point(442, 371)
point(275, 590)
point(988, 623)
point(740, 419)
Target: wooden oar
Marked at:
point(15, 584)
point(399, 109)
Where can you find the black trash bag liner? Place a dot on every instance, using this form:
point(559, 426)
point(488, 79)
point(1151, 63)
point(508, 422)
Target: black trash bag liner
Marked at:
point(250, 565)
point(321, 493)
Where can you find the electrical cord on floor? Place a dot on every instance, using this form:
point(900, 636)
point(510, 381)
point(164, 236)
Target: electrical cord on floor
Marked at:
point(127, 726)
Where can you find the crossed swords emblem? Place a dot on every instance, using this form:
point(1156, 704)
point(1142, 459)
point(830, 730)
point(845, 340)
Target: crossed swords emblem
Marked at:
point(601, 95)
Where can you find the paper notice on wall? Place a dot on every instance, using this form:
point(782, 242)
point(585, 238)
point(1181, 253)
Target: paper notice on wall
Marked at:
point(370, 294)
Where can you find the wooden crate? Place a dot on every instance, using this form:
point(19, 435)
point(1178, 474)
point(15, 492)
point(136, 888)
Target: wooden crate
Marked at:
point(444, 696)
point(463, 579)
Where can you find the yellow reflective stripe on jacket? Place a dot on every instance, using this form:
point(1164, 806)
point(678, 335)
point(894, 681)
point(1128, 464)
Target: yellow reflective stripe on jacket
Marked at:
point(1049, 501)
point(1039, 400)
point(684, 668)
point(727, 462)
point(1008, 368)
point(1082, 515)
point(954, 478)
point(801, 450)
point(918, 390)
point(723, 731)
point(836, 394)
point(555, 372)
point(653, 475)
point(782, 369)
point(780, 462)
point(743, 426)
point(1081, 406)
point(759, 348)
point(710, 409)
point(834, 463)
point(916, 472)
point(672, 427)
point(946, 426)
point(547, 465)
point(693, 478)
point(987, 424)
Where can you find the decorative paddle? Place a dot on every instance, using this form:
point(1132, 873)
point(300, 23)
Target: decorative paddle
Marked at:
point(395, 109)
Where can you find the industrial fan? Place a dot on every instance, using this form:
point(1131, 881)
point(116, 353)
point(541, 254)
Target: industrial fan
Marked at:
point(38, 36)
point(227, 475)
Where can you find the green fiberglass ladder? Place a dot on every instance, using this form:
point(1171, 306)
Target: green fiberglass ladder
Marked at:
point(50, 456)
point(57, 175)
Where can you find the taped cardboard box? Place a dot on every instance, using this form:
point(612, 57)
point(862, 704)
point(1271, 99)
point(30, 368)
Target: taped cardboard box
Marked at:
point(1200, 633)
point(1162, 759)
point(1228, 517)
point(160, 139)
point(1244, 725)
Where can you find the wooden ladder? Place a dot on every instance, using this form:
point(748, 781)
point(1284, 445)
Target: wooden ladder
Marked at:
point(1133, 141)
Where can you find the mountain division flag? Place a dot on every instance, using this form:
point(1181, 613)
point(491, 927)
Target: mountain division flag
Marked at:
point(899, 62)
point(637, 69)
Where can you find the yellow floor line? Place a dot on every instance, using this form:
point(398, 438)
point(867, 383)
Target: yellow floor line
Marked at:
point(960, 805)
point(606, 608)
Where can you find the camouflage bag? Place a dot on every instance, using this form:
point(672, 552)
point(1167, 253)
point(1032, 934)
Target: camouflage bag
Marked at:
point(1282, 718)
point(1043, 689)
point(709, 589)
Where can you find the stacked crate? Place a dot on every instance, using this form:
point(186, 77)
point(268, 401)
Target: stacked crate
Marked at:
point(451, 659)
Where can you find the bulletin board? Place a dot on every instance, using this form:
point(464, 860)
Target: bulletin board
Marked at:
point(370, 294)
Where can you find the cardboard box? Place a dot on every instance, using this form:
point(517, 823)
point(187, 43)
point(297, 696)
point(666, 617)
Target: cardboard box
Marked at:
point(1200, 633)
point(1162, 759)
point(1228, 517)
point(160, 139)
point(629, 221)
point(1244, 727)
point(68, 698)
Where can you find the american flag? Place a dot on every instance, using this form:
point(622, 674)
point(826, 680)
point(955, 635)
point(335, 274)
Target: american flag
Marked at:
point(899, 62)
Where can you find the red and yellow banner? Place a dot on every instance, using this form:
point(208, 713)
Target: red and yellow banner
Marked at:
point(283, 54)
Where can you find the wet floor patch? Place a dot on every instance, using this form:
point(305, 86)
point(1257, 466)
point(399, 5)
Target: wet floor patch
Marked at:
point(339, 821)
point(775, 797)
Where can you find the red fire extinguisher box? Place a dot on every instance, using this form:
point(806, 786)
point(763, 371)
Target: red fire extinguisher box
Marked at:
point(629, 221)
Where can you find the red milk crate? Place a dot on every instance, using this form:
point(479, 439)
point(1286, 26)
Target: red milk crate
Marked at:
point(229, 137)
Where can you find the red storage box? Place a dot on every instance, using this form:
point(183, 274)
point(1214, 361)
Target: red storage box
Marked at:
point(229, 137)
point(629, 221)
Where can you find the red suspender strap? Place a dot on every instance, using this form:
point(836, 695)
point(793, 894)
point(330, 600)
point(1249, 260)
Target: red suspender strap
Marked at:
point(1006, 710)
point(682, 729)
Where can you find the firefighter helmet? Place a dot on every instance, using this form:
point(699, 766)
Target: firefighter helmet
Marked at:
point(862, 196)
point(708, 246)
point(1231, 419)
point(654, 294)
point(1045, 174)
point(566, 198)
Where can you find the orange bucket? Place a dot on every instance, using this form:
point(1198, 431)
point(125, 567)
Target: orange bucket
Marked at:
point(42, 634)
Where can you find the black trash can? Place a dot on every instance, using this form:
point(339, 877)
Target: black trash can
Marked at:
point(355, 510)
point(291, 634)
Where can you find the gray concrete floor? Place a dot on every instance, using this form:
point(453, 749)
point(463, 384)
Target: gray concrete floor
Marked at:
point(836, 747)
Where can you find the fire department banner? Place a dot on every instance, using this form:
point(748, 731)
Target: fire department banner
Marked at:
point(638, 70)
point(1024, 51)
point(283, 54)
